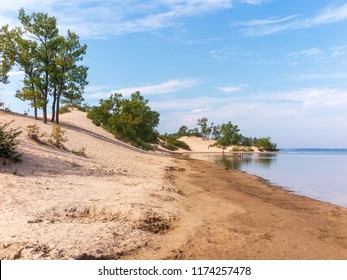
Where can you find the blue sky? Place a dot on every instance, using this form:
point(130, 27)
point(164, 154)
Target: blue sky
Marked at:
point(275, 67)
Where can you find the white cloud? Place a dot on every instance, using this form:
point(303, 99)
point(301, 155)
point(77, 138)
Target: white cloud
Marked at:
point(261, 22)
point(328, 15)
point(338, 51)
point(255, 2)
point(312, 52)
point(281, 115)
point(301, 102)
point(162, 88)
point(90, 18)
point(230, 89)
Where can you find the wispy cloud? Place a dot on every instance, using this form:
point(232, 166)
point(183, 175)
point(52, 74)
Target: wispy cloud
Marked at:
point(312, 52)
point(161, 88)
point(266, 106)
point(255, 2)
point(264, 22)
point(338, 51)
point(114, 17)
point(322, 76)
point(230, 89)
point(328, 15)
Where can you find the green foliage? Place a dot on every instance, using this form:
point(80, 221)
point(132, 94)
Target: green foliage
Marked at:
point(203, 127)
point(172, 143)
point(129, 119)
point(49, 61)
point(8, 144)
point(33, 130)
point(265, 144)
point(35, 134)
point(84, 108)
point(58, 136)
point(183, 131)
point(216, 131)
point(64, 109)
point(226, 135)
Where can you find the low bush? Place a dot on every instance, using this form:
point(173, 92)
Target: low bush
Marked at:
point(8, 144)
point(172, 143)
point(58, 136)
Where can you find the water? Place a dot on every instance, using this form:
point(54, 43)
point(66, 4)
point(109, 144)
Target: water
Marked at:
point(317, 173)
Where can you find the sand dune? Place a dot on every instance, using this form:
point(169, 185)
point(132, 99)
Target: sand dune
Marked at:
point(120, 202)
point(60, 205)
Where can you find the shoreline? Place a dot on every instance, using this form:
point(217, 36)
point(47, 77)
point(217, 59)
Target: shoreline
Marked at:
point(282, 184)
point(235, 215)
point(145, 205)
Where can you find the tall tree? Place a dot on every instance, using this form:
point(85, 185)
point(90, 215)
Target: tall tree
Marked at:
point(26, 51)
point(182, 131)
point(49, 61)
point(203, 126)
point(43, 30)
point(68, 79)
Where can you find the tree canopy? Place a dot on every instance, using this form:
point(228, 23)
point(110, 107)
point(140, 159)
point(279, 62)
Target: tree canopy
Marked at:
point(50, 62)
point(226, 134)
point(130, 119)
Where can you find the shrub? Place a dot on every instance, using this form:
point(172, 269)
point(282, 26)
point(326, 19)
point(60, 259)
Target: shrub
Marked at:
point(8, 144)
point(265, 144)
point(64, 110)
point(57, 136)
point(172, 143)
point(34, 134)
point(131, 119)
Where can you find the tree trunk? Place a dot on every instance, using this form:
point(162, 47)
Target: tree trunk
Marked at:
point(45, 95)
point(44, 110)
point(53, 106)
point(57, 110)
point(35, 109)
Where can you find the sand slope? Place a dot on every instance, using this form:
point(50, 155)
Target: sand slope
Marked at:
point(62, 206)
point(124, 203)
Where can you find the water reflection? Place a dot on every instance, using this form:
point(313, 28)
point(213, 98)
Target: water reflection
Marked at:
point(265, 160)
point(318, 174)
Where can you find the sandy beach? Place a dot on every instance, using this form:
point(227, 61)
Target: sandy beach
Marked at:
point(120, 202)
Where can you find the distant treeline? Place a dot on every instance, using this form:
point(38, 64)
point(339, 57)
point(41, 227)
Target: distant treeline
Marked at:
point(225, 135)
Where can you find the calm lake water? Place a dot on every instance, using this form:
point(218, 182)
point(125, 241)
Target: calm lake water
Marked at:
point(317, 173)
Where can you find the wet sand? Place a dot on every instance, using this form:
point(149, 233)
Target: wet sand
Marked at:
point(233, 215)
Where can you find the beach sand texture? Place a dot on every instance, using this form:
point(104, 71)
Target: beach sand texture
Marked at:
point(120, 202)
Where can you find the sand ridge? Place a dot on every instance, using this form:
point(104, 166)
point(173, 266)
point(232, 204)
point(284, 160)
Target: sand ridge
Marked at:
point(123, 203)
point(57, 205)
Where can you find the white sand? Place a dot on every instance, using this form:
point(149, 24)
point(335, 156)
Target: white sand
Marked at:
point(58, 205)
point(199, 147)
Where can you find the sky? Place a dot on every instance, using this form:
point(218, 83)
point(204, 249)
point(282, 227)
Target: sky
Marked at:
point(275, 68)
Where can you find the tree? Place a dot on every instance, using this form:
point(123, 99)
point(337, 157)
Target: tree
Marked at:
point(44, 32)
point(48, 60)
point(68, 79)
point(228, 136)
point(266, 144)
point(7, 52)
point(203, 126)
point(131, 119)
point(26, 51)
point(216, 131)
point(182, 131)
